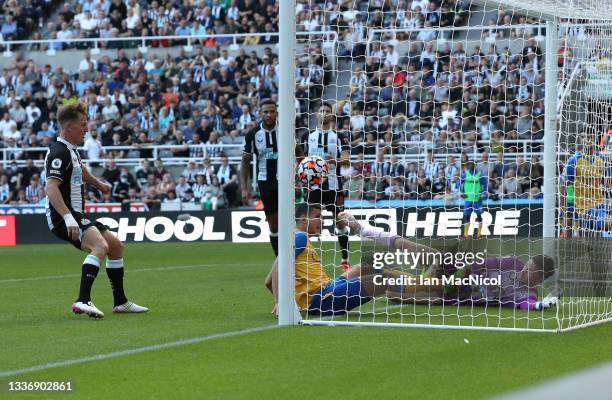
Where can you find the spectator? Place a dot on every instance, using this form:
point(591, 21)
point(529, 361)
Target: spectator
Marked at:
point(189, 197)
point(190, 172)
point(111, 172)
point(6, 124)
point(423, 185)
point(182, 186)
point(93, 148)
point(171, 198)
point(213, 149)
point(511, 185)
point(228, 181)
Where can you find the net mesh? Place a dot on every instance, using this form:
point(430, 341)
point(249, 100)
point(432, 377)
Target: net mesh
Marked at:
point(585, 112)
point(440, 106)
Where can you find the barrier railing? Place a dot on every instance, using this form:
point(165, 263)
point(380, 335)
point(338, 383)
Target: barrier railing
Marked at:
point(524, 149)
point(330, 41)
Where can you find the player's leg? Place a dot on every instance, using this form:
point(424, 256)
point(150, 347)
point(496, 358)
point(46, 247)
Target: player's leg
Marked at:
point(409, 288)
point(336, 205)
point(402, 287)
point(467, 214)
point(115, 272)
point(339, 297)
point(477, 207)
point(273, 225)
point(333, 201)
point(269, 197)
point(93, 243)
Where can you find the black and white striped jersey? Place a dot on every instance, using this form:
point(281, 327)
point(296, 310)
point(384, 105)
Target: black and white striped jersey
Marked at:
point(431, 168)
point(327, 144)
point(64, 163)
point(264, 145)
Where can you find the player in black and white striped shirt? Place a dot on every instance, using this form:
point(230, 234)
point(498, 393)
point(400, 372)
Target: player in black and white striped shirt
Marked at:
point(325, 142)
point(66, 177)
point(262, 141)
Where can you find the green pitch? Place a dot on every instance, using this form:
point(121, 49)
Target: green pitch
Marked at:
point(210, 335)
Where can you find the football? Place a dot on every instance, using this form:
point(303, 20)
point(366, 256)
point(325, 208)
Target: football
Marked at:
point(313, 170)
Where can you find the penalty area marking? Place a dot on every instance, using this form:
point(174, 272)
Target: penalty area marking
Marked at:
point(129, 271)
point(137, 350)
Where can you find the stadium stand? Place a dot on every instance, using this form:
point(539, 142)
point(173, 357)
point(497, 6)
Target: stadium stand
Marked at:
point(414, 114)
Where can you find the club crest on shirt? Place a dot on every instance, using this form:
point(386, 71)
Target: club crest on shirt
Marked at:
point(85, 221)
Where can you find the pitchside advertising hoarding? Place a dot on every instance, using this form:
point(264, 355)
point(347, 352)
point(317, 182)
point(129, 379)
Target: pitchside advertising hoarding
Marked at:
point(250, 226)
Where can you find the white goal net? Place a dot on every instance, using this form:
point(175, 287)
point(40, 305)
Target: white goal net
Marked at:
point(471, 141)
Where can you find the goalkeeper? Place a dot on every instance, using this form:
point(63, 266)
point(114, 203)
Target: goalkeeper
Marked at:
point(473, 185)
point(517, 286)
point(317, 293)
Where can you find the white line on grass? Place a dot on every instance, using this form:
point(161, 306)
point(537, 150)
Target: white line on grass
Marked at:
point(128, 271)
point(137, 350)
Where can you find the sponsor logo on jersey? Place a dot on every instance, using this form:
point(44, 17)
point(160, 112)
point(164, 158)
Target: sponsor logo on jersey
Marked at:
point(85, 221)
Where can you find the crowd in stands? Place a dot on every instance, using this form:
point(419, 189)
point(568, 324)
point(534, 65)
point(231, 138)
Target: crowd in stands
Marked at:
point(388, 178)
point(450, 99)
point(216, 186)
point(133, 18)
point(212, 186)
point(20, 19)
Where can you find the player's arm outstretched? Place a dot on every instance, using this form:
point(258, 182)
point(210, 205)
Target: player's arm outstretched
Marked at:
point(394, 242)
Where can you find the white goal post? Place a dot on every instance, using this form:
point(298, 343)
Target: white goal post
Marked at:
point(574, 97)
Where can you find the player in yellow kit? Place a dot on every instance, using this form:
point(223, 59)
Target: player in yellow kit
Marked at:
point(317, 293)
point(587, 171)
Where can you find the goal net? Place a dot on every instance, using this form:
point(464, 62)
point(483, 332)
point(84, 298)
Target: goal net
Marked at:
point(456, 134)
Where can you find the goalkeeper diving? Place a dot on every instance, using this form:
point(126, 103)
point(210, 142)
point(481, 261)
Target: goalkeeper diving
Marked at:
point(318, 294)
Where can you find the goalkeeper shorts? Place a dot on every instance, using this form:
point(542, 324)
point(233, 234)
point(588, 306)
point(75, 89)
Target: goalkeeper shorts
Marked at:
point(338, 297)
point(470, 207)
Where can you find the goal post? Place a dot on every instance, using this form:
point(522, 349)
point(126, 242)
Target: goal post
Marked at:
point(460, 137)
point(287, 314)
point(550, 139)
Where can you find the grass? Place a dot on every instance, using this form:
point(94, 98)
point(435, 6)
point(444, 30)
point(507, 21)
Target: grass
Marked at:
point(197, 290)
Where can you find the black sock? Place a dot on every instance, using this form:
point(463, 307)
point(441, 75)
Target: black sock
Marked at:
point(344, 246)
point(115, 275)
point(88, 276)
point(274, 242)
